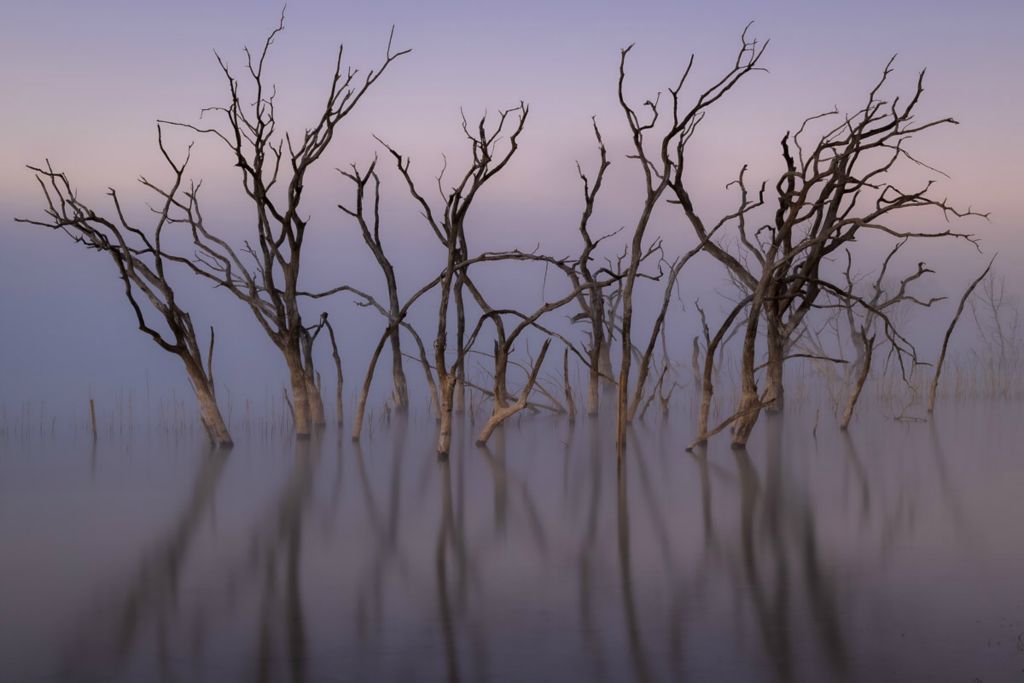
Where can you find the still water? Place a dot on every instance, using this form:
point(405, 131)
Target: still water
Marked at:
point(891, 554)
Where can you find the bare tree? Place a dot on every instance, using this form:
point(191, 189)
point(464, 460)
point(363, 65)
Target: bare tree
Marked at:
point(265, 273)
point(136, 253)
point(367, 185)
point(593, 301)
point(505, 410)
point(996, 316)
point(827, 195)
point(862, 320)
point(662, 171)
point(707, 373)
point(449, 226)
point(949, 333)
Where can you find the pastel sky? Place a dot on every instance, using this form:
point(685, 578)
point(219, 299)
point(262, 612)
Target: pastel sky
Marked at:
point(84, 82)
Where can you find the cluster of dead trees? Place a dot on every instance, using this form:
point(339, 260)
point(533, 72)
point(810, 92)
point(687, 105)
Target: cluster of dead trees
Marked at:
point(791, 247)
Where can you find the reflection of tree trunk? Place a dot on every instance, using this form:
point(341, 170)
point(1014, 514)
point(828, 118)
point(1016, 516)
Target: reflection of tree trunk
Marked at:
point(441, 563)
point(294, 616)
point(587, 554)
point(150, 595)
point(285, 536)
point(639, 658)
point(770, 615)
point(858, 468)
point(499, 476)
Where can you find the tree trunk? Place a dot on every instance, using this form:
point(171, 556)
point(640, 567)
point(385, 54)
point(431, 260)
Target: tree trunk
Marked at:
point(747, 412)
point(503, 412)
point(570, 403)
point(460, 346)
point(862, 376)
point(401, 392)
point(316, 403)
point(749, 408)
point(500, 376)
point(605, 366)
point(209, 412)
point(364, 394)
point(444, 432)
point(593, 399)
point(774, 391)
point(339, 402)
point(401, 387)
point(300, 400)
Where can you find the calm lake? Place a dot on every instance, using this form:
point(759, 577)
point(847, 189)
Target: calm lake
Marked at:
point(892, 554)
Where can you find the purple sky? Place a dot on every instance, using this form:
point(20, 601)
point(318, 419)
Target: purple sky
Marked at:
point(83, 84)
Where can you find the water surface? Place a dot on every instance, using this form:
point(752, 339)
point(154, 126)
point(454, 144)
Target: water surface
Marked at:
point(890, 554)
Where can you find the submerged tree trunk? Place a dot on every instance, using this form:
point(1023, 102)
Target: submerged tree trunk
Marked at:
point(364, 394)
point(209, 412)
point(570, 403)
point(401, 387)
point(604, 365)
point(594, 378)
point(707, 375)
point(504, 411)
point(500, 375)
point(444, 431)
point(460, 347)
point(949, 333)
point(749, 407)
point(317, 416)
point(339, 402)
point(300, 399)
point(866, 347)
point(774, 391)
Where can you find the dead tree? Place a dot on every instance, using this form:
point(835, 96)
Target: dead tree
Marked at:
point(862, 322)
point(593, 301)
point(449, 226)
point(264, 274)
point(136, 253)
point(506, 410)
point(707, 374)
point(949, 333)
point(395, 322)
point(503, 406)
point(829, 192)
point(339, 396)
point(367, 185)
point(997, 320)
point(662, 171)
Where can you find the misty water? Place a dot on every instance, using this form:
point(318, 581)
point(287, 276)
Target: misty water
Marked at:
point(890, 554)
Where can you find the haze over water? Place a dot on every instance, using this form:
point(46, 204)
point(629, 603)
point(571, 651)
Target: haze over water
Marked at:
point(889, 554)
